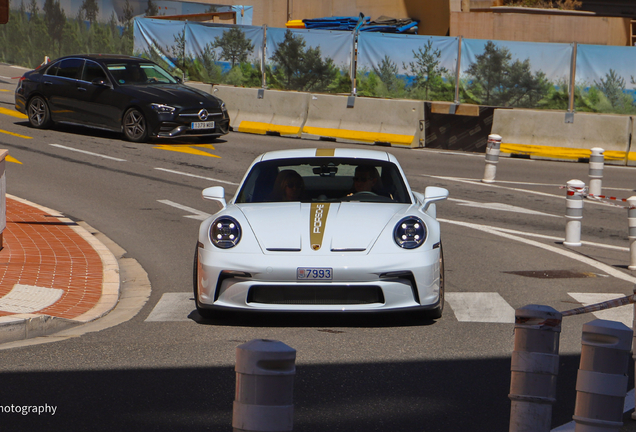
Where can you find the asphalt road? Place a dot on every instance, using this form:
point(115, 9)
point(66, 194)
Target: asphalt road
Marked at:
point(369, 373)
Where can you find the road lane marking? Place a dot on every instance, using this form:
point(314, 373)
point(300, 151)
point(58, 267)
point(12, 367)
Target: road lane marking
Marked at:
point(15, 134)
point(173, 307)
point(88, 152)
point(4, 90)
point(12, 159)
point(501, 207)
point(196, 176)
point(196, 214)
point(187, 149)
point(527, 191)
point(12, 113)
point(485, 307)
point(583, 259)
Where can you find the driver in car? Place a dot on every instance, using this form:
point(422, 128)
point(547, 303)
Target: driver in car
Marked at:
point(366, 179)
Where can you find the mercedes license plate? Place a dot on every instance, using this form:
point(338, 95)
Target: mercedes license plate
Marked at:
point(202, 125)
point(312, 273)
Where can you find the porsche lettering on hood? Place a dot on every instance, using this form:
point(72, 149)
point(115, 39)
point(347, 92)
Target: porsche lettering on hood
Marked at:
point(321, 227)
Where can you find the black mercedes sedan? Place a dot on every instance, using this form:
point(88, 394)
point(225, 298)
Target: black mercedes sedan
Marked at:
point(125, 94)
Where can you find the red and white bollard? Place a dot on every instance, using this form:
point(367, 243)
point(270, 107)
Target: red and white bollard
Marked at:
point(265, 372)
point(597, 162)
point(631, 218)
point(492, 158)
point(601, 383)
point(574, 212)
point(534, 368)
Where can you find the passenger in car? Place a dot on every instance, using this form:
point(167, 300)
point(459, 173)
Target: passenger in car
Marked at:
point(288, 186)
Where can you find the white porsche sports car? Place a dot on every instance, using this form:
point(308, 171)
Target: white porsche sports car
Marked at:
point(322, 230)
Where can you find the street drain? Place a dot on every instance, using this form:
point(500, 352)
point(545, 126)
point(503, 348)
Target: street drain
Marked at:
point(554, 274)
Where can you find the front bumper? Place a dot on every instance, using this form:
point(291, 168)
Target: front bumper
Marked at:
point(361, 282)
point(172, 129)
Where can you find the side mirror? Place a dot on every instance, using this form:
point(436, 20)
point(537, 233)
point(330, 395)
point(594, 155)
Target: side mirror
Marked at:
point(433, 194)
point(179, 80)
point(215, 193)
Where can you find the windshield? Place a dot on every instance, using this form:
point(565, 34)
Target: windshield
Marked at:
point(135, 73)
point(324, 180)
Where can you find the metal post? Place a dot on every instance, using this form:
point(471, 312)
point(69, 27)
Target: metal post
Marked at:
point(263, 57)
point(574, 212)
point(597, 161)
point(458, 66)
point(492, 158)
point(602, 379)
point(534, 368)
point(631, 219)
point(264, 387)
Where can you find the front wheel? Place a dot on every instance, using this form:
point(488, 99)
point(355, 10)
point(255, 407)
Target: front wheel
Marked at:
point(135, 126)
point(39, 113)
point(437, 312)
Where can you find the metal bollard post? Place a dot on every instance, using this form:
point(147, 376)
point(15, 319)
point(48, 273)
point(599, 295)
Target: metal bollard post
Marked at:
point(574, 212)
point(264, 387)
point(601, 383)
point(631, 219)
point(492, 158)
point(597, 162)
point(534, 368)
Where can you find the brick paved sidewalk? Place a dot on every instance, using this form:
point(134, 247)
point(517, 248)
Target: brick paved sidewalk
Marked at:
point(50, 265)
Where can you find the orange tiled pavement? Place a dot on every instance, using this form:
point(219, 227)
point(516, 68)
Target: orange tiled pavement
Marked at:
point(41, 250)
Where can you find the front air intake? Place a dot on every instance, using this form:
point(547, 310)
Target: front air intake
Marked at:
point(315, 294)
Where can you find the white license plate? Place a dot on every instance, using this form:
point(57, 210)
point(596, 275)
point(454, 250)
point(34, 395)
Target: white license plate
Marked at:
point(202, 125)
point(312, 273)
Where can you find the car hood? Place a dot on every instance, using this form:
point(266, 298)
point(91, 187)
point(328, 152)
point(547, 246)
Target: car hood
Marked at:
point(173, 94)
point(347, 226)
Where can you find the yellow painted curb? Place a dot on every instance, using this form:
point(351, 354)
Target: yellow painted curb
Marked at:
point(262, 128)
point(558, 152)
point(371, 137)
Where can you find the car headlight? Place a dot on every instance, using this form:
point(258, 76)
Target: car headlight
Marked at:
point(225, 232)
point(223, 107)
point(163, 109)
point(410, 233)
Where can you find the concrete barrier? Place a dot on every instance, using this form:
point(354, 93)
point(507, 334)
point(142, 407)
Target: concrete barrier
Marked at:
point(262, 111)
point(546, 135)
point(397, 123)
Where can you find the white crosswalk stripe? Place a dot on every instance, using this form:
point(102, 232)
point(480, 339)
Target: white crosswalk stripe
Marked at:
point(480, 307)
point(476, 307)
point(624, 314)
point(173, 307)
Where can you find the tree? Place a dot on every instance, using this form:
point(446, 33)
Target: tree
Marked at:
point(33, 10)
point(613, 87)
point(90, 8)
point(498, 81)
point(234, 45)
point(127, 14)
point(54, 18)
point(178, 51)
point(152, 9)
point(426, 69)
point(302, 68)
point(387, 72)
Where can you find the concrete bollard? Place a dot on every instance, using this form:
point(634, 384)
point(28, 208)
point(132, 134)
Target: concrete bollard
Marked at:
point(264, 387)
point(492, 158)
point(601, 383)
point(631, 219)
point(534, 368)
point(597, 162)
point(574, 212)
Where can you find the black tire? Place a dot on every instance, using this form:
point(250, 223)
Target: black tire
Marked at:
point(135, 126)
point(437, 312)
point(205, 313)
point(38, 113)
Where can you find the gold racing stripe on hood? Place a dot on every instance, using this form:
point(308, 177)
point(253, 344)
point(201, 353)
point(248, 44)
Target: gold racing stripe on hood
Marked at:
point(325, 152)
point(317, 224)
